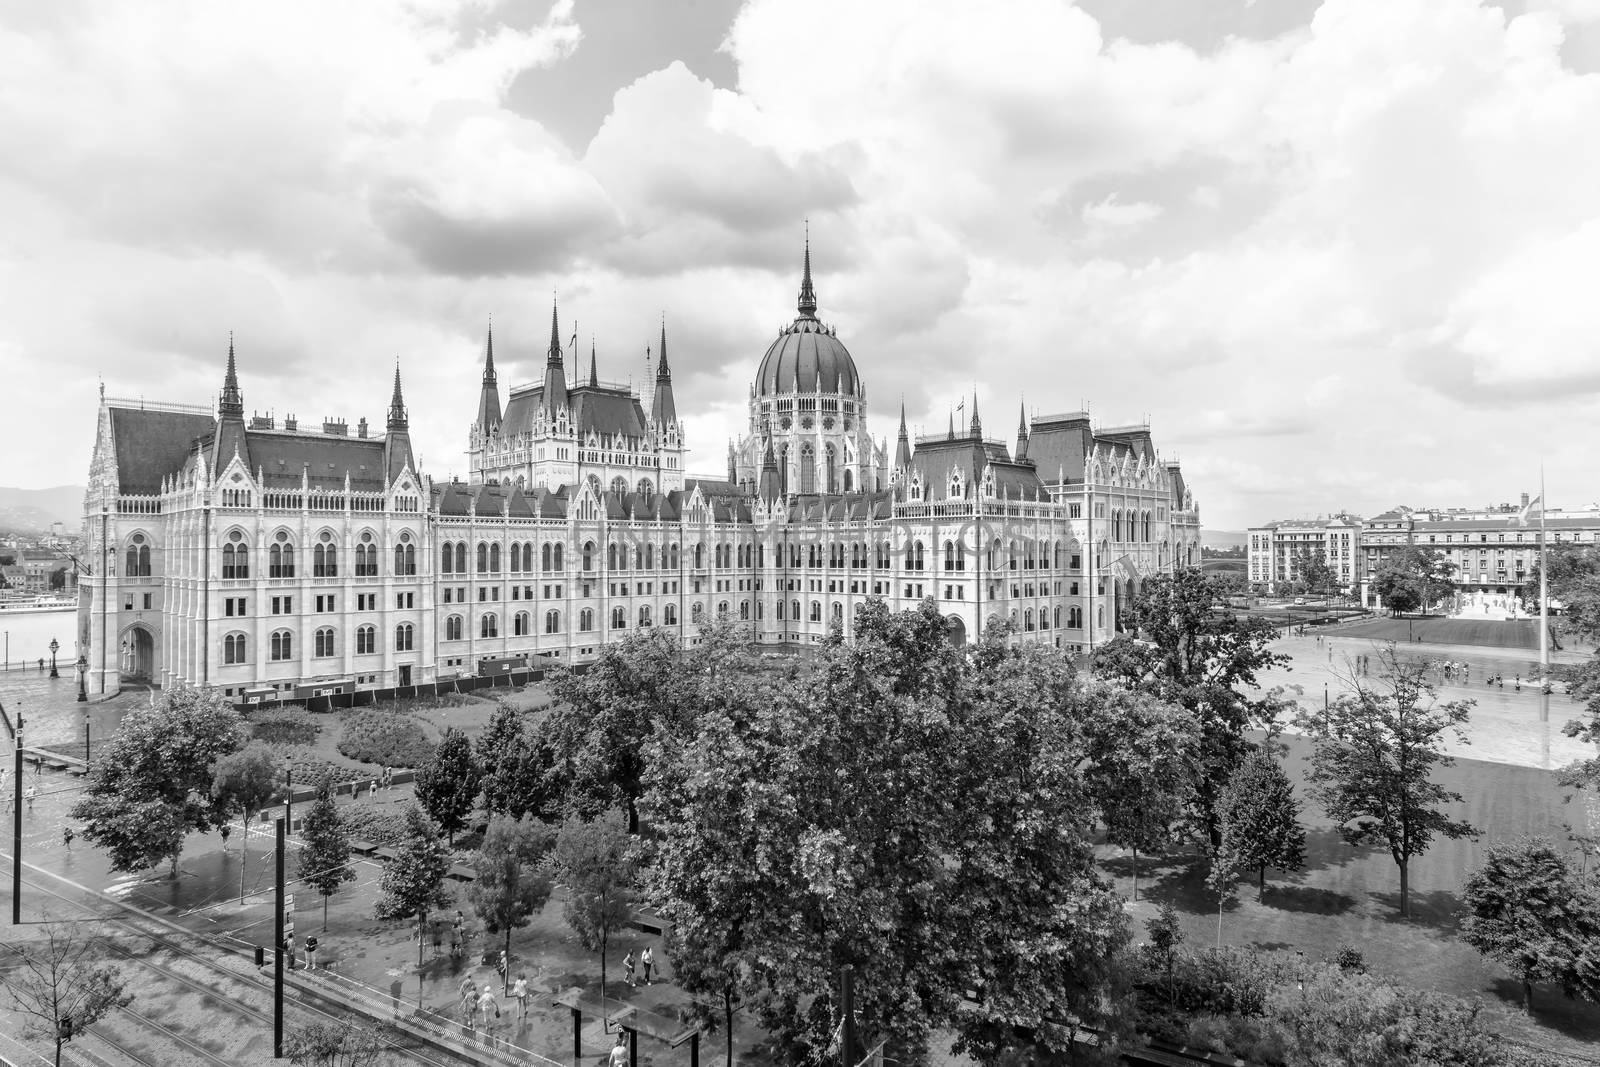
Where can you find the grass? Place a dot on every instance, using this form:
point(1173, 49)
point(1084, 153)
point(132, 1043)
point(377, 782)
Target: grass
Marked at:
point(1349, 896)
point(1487, 633)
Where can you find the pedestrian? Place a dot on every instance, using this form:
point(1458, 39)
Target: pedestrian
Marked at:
point(627, 967)
point(519, 990)
point(66, 837)
point(288, 950)
point(469, 1000)
point(32, 792)
point(486, 1001)
point(619, 1051)
point(647, 960)
point(311, 952)
point(372, 789)
point(41, 664)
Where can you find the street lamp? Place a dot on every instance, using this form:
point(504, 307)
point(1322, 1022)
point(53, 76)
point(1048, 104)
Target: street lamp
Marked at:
point(16, 831)
point(54, 645)
point(85, 730)
point(83, 692)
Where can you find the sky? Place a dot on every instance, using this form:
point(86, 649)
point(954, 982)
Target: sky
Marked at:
point(1339, 256)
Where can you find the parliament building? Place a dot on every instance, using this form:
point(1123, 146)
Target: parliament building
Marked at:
point(257, 557)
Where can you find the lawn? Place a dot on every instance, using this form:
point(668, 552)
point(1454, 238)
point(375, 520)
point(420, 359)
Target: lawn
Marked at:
point(1488, 633)
point(1349, 896)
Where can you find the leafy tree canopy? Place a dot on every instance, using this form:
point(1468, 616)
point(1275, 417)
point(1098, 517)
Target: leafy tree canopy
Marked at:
point(1261, 817)
point(1414, 578)
point(449, 783)
point(413, 883)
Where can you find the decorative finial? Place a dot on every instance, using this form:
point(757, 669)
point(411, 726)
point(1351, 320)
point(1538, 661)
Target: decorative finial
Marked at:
point(808, 295)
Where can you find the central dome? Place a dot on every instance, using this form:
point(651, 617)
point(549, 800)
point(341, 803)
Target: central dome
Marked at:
point(807, 357)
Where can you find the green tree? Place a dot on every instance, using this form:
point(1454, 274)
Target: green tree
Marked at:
point(342, 1043)
point(1261, 817)
point(449, 783)
point(1166, 937)
point(1373, 757)
point(595, 858)
point(413, 883)
point(1141, 753)
point(513, 882)
point(59, 985)
point(1574, 584)
point(1313, 571)
point(151, 785)
point(1414, 578)
point(517, 767)
point(1194, 653)
point(243, 783)
point(1222, 878)
point(58, 578)
point(325, 848)
point(1526, 908)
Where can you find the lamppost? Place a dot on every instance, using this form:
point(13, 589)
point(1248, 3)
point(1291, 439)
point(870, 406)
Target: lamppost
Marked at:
point(83, 692)
point(54, 645)
point(16, 830)
point(85, 730)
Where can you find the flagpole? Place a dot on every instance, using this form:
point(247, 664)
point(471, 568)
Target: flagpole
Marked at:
point(1544, 587)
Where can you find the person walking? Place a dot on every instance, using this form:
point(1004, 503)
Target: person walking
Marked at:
point(469, 999)
point(619, 1051)
point(67, 835)
point(487, 1001)
point(311, 952)
point(647, 960)
point(32, 792)
point(519, 992)
point(288, 950)
point(627, 967)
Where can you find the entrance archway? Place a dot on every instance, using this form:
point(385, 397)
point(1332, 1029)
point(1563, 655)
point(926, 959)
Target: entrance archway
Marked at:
point(955, 631)
point(138, 654)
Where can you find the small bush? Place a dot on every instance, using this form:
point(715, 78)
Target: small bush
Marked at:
point(291, 726)
point(382, 737)
point(375, 825)
point(1348, 959)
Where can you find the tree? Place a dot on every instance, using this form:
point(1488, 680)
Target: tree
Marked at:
point(244, 783)
point(151, 784)
point(1261, 817)
point(1574, 582)
point(595, 859)
point(448, 784)
point(413, 882)
point(1526, 908)
point(1166, 937)
point(1222, 878)
point(1141, 752)
point(513, 880)
point(58, 578)
point(344, 1043)
point(1414, 579)
point(1194, 653)
point(516, 763)
point(905, 809)
point(60, 986)
point(1313, 571)
point(325, 848)
point(1372, 760)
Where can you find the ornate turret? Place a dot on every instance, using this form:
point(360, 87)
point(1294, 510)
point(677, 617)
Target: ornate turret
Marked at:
point(555, 373)
point(771, 487)
point(489, 399)
point(398, 421)
point(230, 437)
point(594, 367)
point(733, 464)
point(397, 443)
point(662, 409)
point(808, 295)
point(1022, 433)
point(977, 426)
point(902, 451)
point(230, 404)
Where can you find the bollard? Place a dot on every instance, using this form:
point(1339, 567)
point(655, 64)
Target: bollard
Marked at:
point(261, 956)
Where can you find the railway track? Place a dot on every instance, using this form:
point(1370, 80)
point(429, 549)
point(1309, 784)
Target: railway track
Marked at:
point(242, 993)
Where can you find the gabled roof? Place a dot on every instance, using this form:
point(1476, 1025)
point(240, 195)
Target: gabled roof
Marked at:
point(1058, 446)
point(595, 409)
point(282, 455)
point(153, 444)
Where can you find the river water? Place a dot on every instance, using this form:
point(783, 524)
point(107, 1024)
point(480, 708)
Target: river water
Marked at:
point(27, 635)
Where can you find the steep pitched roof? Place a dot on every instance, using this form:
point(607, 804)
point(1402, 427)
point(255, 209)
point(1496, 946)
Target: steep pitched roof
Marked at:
point(281, 455)
point(153, 444)
point(1058, 445)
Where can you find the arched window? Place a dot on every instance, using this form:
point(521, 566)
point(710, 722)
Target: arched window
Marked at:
point(816, 611)
point(405, 559)
point(446, 558)
point(282, 645)
point(794, 609)
point(280, 559)
point(545, 556)
point(622, 557)
point(489, 625)
point(404, 636)
point(722, 609)
point(676, 557)
point(646, 489)
point(138, 558)
point(808, 469)
point(1011, 555)
point(838, 612)
point(323, 640)
point(638, 557)
point(949, 555)
point(1027, 620)
point(644, 614)
point(781, 615)
point(649, 557)
point(619, 485)
point(552, 622)
point(519, 624)
point(848, 486)
point(483, 557)
point(697, 613)
point(324, 561)
point(452, 628)
point(669, 615)
point(588, 555)
point(916, 556)
point(527, 556)
point(233, 648)
point(830, 469)
point(366, 640)
point(236, 559)
point(586, 620)
point(700, 556)
point(744, 609)
point(619, 618)
point(494, 559)
point(461, 557)
point(611, 557)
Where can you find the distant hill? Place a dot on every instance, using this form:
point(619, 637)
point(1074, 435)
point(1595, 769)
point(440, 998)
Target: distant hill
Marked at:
point(1224, 538)
point(33, 510)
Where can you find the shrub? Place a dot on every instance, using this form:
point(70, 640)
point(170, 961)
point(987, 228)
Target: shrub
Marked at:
point(291, 726)
point(372, 824)
point(1348, 959)
point(385, 738)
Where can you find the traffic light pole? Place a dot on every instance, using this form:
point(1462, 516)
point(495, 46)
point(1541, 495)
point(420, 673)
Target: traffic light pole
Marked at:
point(277, 954)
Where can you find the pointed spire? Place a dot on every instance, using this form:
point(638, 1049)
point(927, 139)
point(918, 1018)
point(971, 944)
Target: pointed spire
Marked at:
point(808, 295)
point(555, 374)
point(554, 353)
point(594, 367)
point(397, 406)
point(663, 372)
point(663, 409)
point(1022, 432)
point(950, 435)
point(488, 420)
point(231, 403)
point(902, 451)
point(977, 426)
point(489, 377)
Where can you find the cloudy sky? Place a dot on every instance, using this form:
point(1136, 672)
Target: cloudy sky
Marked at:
point(1339, 255)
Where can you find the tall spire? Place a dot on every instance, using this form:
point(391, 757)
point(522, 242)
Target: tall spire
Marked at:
point(555, 374)
point(663, 372)
point(902, 451)
point(950, 434)
point(231, 403)
point(1022, 432)
point(662, 407)
point(594, 367)
point(489, 396)
point(808, 295)
point(397, 406)
point(977, 427)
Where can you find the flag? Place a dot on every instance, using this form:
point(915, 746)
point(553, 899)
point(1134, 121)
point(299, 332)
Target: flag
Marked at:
point(1533, 511)
point(961, 404)
point(837, 1039)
